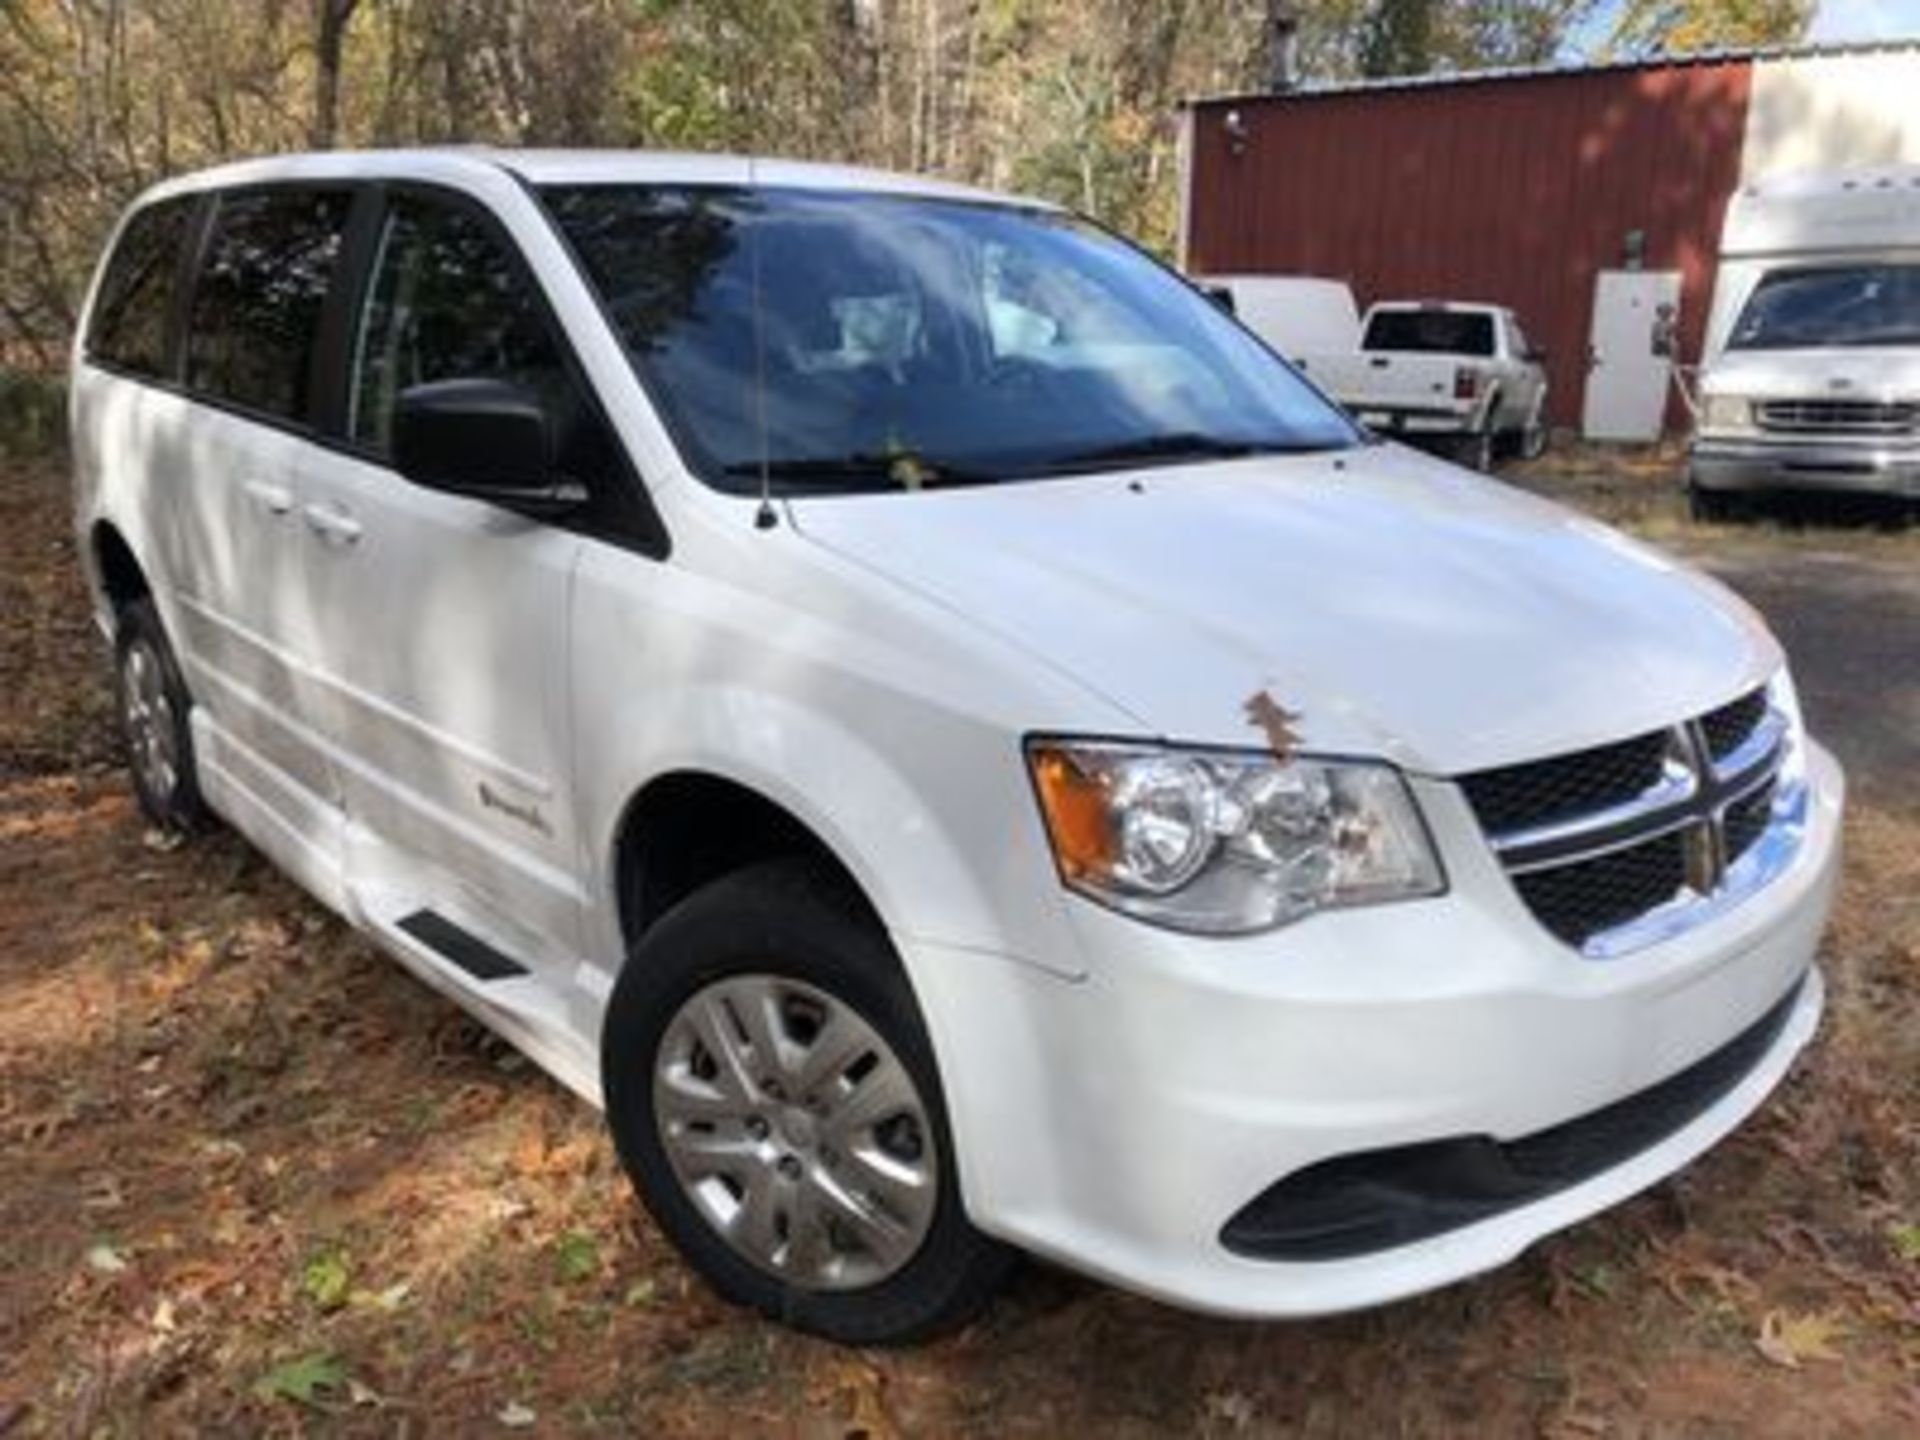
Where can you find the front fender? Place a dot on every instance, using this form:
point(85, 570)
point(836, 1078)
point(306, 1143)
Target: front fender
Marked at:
point(965, 867)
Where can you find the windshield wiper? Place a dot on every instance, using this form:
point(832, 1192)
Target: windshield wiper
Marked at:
point(1172, 448)
point(832, 471)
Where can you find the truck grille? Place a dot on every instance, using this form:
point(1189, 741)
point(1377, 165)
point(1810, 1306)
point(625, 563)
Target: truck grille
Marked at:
point(1821, 417)
point(1598, 840)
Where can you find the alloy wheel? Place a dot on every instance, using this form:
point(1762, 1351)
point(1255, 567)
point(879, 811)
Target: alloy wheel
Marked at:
point(796, 1132)
point(148, 713)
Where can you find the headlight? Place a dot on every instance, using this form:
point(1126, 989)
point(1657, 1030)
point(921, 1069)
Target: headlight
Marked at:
point(1726, 412)
point(1227, 842)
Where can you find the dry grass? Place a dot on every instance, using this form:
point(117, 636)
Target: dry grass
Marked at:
point(256, 1179)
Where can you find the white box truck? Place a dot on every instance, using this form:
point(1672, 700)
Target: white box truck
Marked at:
point(1810, 377)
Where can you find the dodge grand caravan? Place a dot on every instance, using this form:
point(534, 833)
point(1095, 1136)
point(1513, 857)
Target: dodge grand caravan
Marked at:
point(950, 742)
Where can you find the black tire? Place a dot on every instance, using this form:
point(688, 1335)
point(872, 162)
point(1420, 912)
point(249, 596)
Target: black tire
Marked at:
point(170, 796)
point(1534, 440)
point(788, 919)
point(1476, 451)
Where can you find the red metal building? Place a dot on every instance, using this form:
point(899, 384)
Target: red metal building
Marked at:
point(1518, 187)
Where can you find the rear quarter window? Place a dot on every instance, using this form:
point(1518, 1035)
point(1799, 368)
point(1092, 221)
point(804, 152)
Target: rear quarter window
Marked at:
point(138, 290)
point(259, 296)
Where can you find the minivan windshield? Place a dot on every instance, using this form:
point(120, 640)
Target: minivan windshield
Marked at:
point(1844, 305)
point(855, 342)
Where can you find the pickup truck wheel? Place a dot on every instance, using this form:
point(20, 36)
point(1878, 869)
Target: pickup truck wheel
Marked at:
point(154, 706)
point(1535, 434)
point(773, 1096)
point(1476, 451)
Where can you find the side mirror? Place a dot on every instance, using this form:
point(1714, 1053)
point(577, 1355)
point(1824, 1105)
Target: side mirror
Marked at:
point(1536, 355)
point(485, 439)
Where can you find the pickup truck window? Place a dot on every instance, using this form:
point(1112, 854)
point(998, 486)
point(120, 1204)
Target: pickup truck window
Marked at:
point(1852, 305)
point(1419, 332)
point(896, 342)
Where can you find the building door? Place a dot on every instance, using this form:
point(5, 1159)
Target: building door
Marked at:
point(1630, 354)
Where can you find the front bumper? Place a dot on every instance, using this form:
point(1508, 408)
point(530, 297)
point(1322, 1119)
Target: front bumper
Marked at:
point(1117, 1123)
point(1876, 467)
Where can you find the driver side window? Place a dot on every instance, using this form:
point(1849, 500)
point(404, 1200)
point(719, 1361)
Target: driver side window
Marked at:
point(446, 302)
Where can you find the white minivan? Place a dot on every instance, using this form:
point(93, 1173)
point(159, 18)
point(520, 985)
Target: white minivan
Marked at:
point(948, 740)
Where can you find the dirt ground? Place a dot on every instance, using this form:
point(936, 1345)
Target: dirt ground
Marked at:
point(254, 1178)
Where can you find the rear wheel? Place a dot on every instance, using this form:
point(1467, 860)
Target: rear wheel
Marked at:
point(1476, 451)
point(773, 1096)
point(154, 708)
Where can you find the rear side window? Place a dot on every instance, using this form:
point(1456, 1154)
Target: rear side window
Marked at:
point(130, 314)
point(257, 303)
point(1446, 332)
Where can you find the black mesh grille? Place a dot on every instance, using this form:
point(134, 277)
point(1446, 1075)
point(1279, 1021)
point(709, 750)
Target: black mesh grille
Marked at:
point(1747, 821)
point(1729, 726)
point(1578, 901)
point(1572, 892)
point(1514, 797)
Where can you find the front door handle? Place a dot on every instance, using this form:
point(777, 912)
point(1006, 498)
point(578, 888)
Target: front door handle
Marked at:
point(274, 498)
point(332, 524)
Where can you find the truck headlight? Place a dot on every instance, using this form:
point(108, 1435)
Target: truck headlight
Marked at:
point(1726, 412)
point(1227, 842)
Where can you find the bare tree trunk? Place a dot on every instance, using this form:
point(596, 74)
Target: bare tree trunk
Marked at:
point(330, 38)
point(1282, 41)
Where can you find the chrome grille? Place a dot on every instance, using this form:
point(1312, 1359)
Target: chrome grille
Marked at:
point(1668, 827)
point(1820, 417)
point(1727, 728)
point(1582, 899)
point(1747, 821)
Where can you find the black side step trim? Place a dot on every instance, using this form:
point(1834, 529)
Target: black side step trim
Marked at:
point(468, 951)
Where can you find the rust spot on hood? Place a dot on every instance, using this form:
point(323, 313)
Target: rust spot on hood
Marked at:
point(1276, 721)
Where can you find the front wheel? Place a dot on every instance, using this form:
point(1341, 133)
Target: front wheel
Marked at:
point(773, 1096)
point(1535, 434)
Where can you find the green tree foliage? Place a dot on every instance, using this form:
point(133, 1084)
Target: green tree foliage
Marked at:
point(1653, 27)
point(1077, 100)
point(1349, 39)
point(1400, 37)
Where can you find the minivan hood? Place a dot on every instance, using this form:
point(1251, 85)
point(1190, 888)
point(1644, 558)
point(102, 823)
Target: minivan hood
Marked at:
point(1400, 607)
point(1831, 373)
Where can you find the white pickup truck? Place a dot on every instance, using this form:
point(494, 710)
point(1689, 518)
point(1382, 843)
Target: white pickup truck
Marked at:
point(1436, 370)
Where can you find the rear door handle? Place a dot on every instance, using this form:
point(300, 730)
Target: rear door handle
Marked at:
point(274, 498)
point(332, 524)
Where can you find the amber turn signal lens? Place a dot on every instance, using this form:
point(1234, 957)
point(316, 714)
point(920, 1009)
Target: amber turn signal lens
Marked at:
point(1079, 820)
